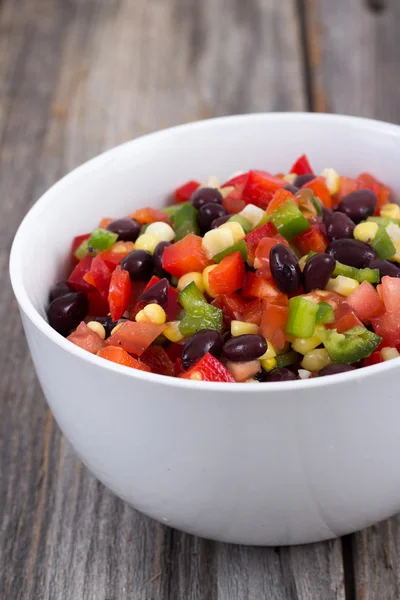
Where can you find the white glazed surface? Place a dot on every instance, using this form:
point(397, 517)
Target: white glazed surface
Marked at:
point(263, 464)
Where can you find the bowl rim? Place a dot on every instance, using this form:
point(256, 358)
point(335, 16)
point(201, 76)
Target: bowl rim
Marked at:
point(25, 304)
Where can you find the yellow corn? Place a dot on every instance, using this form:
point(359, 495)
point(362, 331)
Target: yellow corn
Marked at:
point(268, 364)
point(152, 313)
point(390, 211)
point(396, 257)
point(162, 231)
point(242, 328)
point(206, 271)
point(147, 241)
point(217, 240)
point(236, 230)
point(342, 285)
point(304, 345)
point(225, 191)
point(115, 329)
point(172, 333)
point(290, 177)
point(393, 232)
point(389, 353)
point(213, 182)
point(332, 179)
point(188, 278)
point(270, 353)
point(315, 360)
point(302, 262)
point(252, 213)
point(365, 232)
point(97, 328)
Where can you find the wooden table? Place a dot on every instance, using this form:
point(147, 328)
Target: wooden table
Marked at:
point(79, 76)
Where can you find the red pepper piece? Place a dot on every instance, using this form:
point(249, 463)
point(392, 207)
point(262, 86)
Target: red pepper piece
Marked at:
point(253, 238)
point(185, 191)
point(312, 240)
point(120, 356)
point(252, 312)
point(373, 359)
point(261, 187)
point(320, 190)
point(366, 180)
point(148, 215)
point(228, 276)
point(114, 255)
point(119, 293)
point(302, 166)
point(76, 279)
point(185, 256)
point(99, 275)
point(258, 287)
point(158, 360)
point(208, 368)
point(231, 305)
point(76, 242)
point(98, 304)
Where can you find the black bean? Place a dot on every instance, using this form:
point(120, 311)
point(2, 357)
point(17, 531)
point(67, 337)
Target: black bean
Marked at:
point(128, 230)
point(358, 205)
point(285, 269)
point(326, 213)
point(158, 293)
point(283, 374)
point(108, 323)
point(303, 179)
point(205, 340)
point(317, 272)
point(208, 213)
point(245, 347)
point(60, 289)
point(66, 312)
point(220, 221)
point(335, 368)
point(338, 226)
point(351, 252)
point(138, 263)
point(291, 188)
point(205, 195)
point(385, 267)
point(158, 254)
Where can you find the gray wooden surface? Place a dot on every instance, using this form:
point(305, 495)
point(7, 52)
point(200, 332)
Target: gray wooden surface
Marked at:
point(79, 76)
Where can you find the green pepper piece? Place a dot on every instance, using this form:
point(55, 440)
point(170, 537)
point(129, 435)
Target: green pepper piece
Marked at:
point(245, 223)
point(284, 360)
point(367, 274)
point(199, 314)
point(102, 239)
point(302, 317)
point(171, 211)
point(238, 247)
point(317, 205)
point(351, 346)
point(191, 298)
point(325, 313)
point(384, 221)
point(288, 220)
point(345, 270)
point(383, 244)
point(82, 250)
point(310, 255)
point(185, 221)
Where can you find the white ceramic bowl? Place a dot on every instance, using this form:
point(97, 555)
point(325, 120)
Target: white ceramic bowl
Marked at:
point(276, 463)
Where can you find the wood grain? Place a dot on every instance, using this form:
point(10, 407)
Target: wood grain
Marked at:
point(76, 77)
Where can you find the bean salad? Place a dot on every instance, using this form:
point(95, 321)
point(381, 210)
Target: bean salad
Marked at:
point(262, 278)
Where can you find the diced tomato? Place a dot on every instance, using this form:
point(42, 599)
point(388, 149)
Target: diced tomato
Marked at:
point(252, 312)
point(231, 305)
point(148, 215)
point(233, 205)
point(302, 166)
point(280, 197)
point(320, 190)
point(185, 256)
point(98, 304)
point(185, 191)
point(135, 337)
point(253, 238)
point(347, 321)
point(208, 368)
point(373, 359)
point(104, 222)
point(174, 351)
point(76, 242)
point(390, 290)
point(273, 323)
point(311, 240)
point(228, 276)
point(241, 371)
point(158, 361)
point(366, 180)
point(387, 325)
point(99, 275)
point(239, 183)
point(87, 339)
point(261, 187)
point(263, 251)
point(365, 302)
point(76, 279)
point(179, 370)
point(258, 287)
point(120, 356)
point(347, 186)
point(119, 293)
point(345, 317)
point(116, 253)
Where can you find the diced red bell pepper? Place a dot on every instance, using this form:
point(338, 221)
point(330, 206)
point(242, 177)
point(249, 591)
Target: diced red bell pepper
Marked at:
point(233, 205)
point(76, 279)
point(185, 191)
point(114, 255)
point(263, 251)
point(208, 368)
point(120, 356)
point(76, 242)
point(135, 337)
point(148, 215)
point(373, 359)
point(312, 240)
point(302, 166)
point(366, 180)
point(158, 361)
point(174, 351)
point(273, 323)
point(252, 312)
point(99, 275)
point(261, 187)
point(253, 238)
point(119, 293)
point(98, 304)
point(280, 197)
point(87, 339)
point(365, 302)
point(238, 183)
point(231, 305)
point(258, 287)
point(228, 276)
point(185, 256)
point(320, 190)
point(346, 322)
point(242, 371)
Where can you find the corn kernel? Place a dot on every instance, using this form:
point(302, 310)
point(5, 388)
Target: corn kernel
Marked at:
point(303, 262)
point(216, 241)
point(243, 328)
point(225, 191)
point(152, 313)
point(206, 272)
point(393, 232)
point(147, 241)
point(365, 232)
point(396, 257)
point(252, 213)
point(213, 182)
point(390, 211)
point(342, 285)
point(115, 329)
point(97, 328)
point(236, 229)
point(304, 345)
point(268, 363)
point(270, 353)
point(332, 179)
point(389, 353)
point(188, 278)
point(172, 332)
point(162, 231)
point(315, 360)
point(196, 376)
point(290, 178)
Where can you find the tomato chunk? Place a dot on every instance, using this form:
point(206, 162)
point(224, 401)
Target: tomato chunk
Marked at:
point(185, 256)
point(135, 337)
point(99, 275)
point(87, 339)
point(320, 189)
point(76, 279)
point(365, 302)
point(253, 238)
point(185, 191)
point(301, 166)
point(120, 356)
point(228, 276)
point(119, 294)
point(273, 323)
point(149, 215)
point(258, 287)
point(208, 368)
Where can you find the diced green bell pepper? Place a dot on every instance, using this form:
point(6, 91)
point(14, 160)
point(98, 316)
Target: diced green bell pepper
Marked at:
point(102, 239)
point(384, 221)
point(82, 250)
point(366, 274)
point(383, 244)
point(310, 255)
point(238, 247)
point(171, 211)
point(199, 314)
point(317, 205)
point(325, 313)
point(287, 359)
point(302, 317)
point(185, 221)
point(288, 220)
point(245, 223)
point(351, 346)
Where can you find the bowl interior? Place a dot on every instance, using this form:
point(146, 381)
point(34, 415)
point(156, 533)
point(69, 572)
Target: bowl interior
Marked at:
point(144, 172)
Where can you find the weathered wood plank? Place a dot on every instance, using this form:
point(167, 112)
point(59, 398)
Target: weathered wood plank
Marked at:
point(77, 77)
